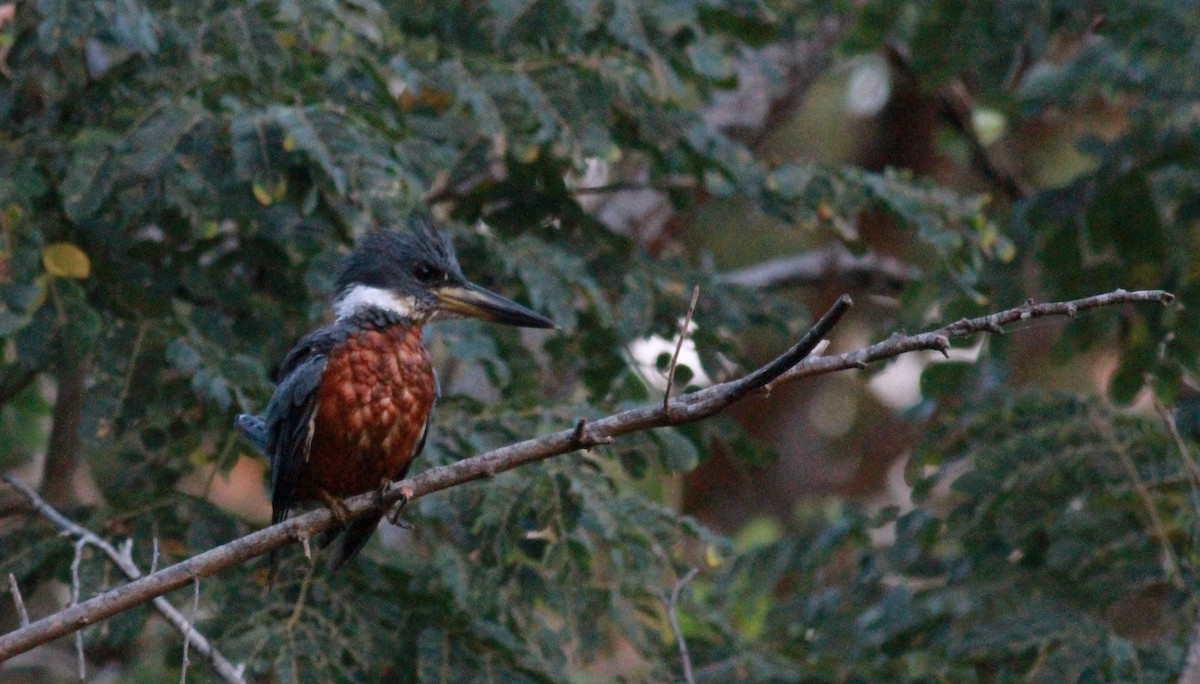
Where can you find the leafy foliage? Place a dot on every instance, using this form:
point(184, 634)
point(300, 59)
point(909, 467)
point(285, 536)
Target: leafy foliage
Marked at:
point(181, 178)
point(1021, 567)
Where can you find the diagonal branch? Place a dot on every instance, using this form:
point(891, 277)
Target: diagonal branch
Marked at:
point(124, 561)
point(685, 409)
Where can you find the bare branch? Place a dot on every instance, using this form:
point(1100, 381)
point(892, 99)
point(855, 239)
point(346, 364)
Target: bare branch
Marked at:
point(683, 332)
point(681, 410)
point(939, 340)
point(833, 261)
point(686, 409)
point(125, 562)
point(20, 602)
point(673, 618)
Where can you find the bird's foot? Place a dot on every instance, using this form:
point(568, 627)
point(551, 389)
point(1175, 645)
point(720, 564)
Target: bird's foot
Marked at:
point(393, 516)
point(336, 507)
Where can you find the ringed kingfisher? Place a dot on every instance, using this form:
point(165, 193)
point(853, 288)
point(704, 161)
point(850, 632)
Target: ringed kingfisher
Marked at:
point(353, 404)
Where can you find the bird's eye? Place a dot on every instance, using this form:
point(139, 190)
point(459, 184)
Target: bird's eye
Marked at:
point(426, 273)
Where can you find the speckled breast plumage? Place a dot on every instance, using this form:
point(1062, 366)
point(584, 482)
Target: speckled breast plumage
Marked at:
point(372, 403)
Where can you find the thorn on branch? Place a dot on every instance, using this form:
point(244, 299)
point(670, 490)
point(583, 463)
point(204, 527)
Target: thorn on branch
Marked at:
point(578, 435)
point(583, 438)
point(942, 343)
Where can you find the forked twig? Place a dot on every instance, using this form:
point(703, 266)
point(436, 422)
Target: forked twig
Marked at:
point(124, 561)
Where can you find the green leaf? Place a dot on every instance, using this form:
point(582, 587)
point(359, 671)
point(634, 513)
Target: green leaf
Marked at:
point(149, 146)
point(945, 379)
point(91, 175)
point(309, 129)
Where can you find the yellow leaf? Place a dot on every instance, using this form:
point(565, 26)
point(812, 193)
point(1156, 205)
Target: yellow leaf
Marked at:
point(289, 143)
point(279, 193)
point(198, 458)
point(65, 260)
point(11, 216)
point(712, 557)
point(530, 154)
point(261, 194)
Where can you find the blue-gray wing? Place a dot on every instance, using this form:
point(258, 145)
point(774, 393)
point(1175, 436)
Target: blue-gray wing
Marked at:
point(289, 427)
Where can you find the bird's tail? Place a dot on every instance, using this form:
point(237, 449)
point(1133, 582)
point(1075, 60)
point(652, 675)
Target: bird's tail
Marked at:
point(351, 540)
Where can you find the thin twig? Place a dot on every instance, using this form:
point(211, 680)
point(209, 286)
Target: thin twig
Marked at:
point(939, 340)
point(684, 409)
point(79, 544)
point(16, 594)
point(1173, 429)
point(187, 633)
point(301, 598)
point(154, 554)
point(1147, 499)
point(124, 561)
point(1191, 663)
point(672, 618)
point(683, 332)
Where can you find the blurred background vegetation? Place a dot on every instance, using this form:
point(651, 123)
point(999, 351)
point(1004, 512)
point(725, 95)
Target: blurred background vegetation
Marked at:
point(180, 180)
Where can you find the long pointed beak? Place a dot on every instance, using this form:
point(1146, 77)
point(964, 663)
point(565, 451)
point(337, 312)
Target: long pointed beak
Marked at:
point(475, 302)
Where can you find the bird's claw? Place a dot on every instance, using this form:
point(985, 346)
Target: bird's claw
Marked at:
point(336, 507)
point(393, 516)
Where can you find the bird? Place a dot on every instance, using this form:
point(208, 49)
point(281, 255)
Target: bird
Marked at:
point(354, 399)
